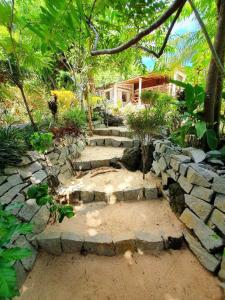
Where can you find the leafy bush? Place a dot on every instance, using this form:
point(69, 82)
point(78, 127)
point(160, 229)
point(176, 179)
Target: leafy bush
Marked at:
point(149, 97)
point(41, 141)
point(10, 227)
point(74, 117)
point(58, 211)
point(12, 146)
point(143, 124)
point(192, 118)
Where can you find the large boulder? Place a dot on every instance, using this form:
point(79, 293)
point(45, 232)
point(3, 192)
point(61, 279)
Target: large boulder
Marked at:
point(111, 120)
point(132, 158)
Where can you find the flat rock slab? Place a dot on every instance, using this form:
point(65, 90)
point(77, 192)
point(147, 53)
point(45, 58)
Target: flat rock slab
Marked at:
point(124, 242)
point(112, 131)
point(206, 259)
point(146, 241)
point(71, 242)
point(50, 242)
point(116, 141)
point(200, 207)
point(218, 218)
point(100, 244)
point(208, 238)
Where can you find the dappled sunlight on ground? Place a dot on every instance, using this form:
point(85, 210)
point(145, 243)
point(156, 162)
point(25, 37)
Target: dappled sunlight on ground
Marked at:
point(172, 275)
point(153, 216)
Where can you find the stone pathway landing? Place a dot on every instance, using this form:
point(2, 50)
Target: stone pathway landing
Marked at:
point(111, 214)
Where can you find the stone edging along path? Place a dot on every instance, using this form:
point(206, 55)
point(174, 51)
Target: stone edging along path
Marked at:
point(113, 131)
point(73, 193)
point(113, 142)
point(57, 243)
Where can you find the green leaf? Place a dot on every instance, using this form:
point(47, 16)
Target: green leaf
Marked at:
point(8, 285)
point(178, 83)
point(211, 139)
point(44, 200)
point(32, 192)
point(199, 94)
point(16, 253)
point(200, 129)
point(222, 150)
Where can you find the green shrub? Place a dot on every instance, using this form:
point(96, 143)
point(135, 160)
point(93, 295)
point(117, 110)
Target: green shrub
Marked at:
point(41, 141)
point(40, 193)
point(149, 97)
point(75, 117)
point(143, 124)
point(12, 146)
point(10, 227)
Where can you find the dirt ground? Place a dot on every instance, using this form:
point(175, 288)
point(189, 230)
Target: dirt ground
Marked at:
point(153, 216)
point(113, 180)
point(174, 275)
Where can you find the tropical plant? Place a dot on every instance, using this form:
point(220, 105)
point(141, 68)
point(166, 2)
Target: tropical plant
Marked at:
point(144, 124)
point(75, 117)
point(192, 118)
point(10, 227)
point(41, 141)
point(149, 97)
point(12, 146)
point(41, 195)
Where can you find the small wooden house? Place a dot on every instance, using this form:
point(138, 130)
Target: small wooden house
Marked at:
point(130, 90)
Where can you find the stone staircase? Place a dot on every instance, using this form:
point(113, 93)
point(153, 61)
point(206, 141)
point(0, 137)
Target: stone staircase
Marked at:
point(116, 210)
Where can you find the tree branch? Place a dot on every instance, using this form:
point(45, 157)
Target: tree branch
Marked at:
point(96, 39)
point(157, 55)
point(207, 37)
point(173, 8)
point(92, 9)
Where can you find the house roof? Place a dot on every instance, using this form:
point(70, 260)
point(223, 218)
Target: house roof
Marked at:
point(149, 77)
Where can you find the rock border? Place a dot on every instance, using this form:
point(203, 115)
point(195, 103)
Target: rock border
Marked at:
point(57, 243)
point(203, 196)
point(112, 142)
point(74, 193)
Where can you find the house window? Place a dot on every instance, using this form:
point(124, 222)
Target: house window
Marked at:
point(107, 95)
point(180, 78)
point(124, 96)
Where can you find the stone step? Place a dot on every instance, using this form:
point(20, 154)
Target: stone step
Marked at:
point(109, 185)
point(97, 156)
point(117, 229)
point(115, 141)
point(112, 131)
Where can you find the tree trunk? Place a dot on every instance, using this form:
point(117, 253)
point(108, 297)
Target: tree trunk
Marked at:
point(20, 86)
point(86, 92)
point(221, 54)
point(213, 87)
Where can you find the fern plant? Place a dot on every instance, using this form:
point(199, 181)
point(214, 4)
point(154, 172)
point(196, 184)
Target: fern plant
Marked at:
point(12, 146)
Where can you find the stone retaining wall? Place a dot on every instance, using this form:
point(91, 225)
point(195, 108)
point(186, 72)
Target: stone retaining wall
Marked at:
point(103, 244)
point(199, 193)
point(15, 181)
point(73, 193)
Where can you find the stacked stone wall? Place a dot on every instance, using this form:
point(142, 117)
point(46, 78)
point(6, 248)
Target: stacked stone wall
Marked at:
point(33, 169)
point(202, 203)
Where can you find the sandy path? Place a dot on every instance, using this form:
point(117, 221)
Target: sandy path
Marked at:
point(116, 180)
point(100, 153)
point(153, 216)
point(174, 275)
